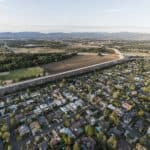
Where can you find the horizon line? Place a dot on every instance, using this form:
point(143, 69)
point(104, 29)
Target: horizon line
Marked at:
point(133, 32)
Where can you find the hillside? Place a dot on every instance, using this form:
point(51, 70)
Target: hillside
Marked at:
point(77, 35)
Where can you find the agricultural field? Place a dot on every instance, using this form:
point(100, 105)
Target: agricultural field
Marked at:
point(106, 109)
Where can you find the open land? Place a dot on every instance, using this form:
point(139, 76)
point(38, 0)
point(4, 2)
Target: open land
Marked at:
point(21, 74)
point(51, 56)
point(77, 62)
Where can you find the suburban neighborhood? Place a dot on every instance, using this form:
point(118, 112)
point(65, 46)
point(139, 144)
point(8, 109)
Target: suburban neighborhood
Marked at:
point(104, 109)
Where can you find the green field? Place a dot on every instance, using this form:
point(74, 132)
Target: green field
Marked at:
point(21, 74)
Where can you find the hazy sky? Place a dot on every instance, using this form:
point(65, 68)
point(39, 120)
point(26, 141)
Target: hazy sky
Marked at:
point(75, 15)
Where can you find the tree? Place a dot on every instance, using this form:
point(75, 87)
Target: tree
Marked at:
point(6, 136)
point(89, 130)
point(4, 128)
point(115, 94)
point(13, 122)
point(101, 140)
point(66, 123)
point(62, 83)
point(78, 116)
point(9, 147)
point(76, 146)
point(139, 147)
point(141, 113)
point(142, 140)
point(67, 139)
point(112, 143)
point(114, 118)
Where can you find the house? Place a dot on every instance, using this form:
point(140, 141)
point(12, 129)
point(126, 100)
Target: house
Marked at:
point(118, 112)
point(20, 118)
point(29, 101)
point(8, 99)
point(37, 110)
point(140, 147)
point(104, 125)
point(35, 127)
point(78, 131)
point(79, 103)
point(13, 108)
point(98, 128)
point(58, 102)
point(68, 132)
point(72, 106)
point(131, 135)
point(111, 107)
point(89, 112)
point(58, 114)
point(64, 109)
point(35, 94)
point(127, 119)
point(114, 131)
point(50, 116)
point(88, 143)
point(43, 145)
point(123, 145)
point(2, 104)
point(77, 127)
point(44, 107)
point(63, 101)
point(127, 106)
point(103, 105)
point(92, 121)
point(134, 93)
point(48, 100)
point(30, 116)
point(148, 130)
point(43, 121)
point(55, 139)
point(23, 130)
point(139, 125)
point(2, 112)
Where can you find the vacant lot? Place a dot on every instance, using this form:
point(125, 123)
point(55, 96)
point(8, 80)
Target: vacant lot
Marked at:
point(77, 62)
point(141, 54)
point(20, 74)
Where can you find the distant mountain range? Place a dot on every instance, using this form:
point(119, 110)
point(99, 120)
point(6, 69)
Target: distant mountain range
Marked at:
point(77, 35)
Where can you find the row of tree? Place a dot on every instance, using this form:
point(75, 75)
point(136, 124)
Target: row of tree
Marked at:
point(17, 61)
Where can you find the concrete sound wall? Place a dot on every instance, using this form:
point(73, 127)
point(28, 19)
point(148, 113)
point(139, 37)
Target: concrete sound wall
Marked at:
point(42, 80)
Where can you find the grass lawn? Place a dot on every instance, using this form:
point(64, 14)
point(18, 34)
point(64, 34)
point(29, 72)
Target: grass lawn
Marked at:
point(21, 74)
